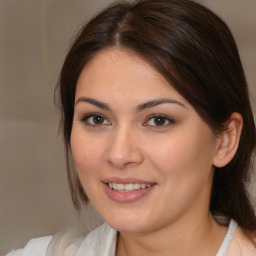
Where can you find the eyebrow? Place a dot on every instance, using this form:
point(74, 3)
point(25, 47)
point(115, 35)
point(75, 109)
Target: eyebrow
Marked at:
point(157, 102)
point(139, 108)
point(94, 102)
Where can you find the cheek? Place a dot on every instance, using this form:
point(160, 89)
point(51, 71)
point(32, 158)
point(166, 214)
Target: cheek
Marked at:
point(184, 155)
point(184, 166)
point(86, 153)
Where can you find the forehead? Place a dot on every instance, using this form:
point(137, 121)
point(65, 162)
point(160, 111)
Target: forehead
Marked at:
point(118, 73)
point(117, 63)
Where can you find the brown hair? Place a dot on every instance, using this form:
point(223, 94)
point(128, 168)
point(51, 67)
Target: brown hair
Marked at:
point(195, 51)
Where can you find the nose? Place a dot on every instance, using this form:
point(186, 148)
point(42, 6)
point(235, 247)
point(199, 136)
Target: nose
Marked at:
point(124, 148)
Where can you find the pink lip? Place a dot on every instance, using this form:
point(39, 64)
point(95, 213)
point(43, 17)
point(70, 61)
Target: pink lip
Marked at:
point(126, 197)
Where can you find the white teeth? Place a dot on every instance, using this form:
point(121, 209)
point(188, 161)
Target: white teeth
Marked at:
point(120, 186)
point(128, 187)
point(143, 186)
point(137, 186)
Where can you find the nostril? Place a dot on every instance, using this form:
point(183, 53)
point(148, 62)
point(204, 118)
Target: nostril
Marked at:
point(121, 162)
point(130, 164)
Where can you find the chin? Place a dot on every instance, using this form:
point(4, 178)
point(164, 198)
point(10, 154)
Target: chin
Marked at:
point(128, 222)
point(127, 227)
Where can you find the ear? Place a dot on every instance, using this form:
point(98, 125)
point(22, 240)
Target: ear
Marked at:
point(228, 141)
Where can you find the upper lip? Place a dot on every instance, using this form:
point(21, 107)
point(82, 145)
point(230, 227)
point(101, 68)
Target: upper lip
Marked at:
point(127, 180)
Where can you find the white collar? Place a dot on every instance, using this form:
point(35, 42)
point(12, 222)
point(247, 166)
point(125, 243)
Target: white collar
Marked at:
point(228, 238)
point(101, 241)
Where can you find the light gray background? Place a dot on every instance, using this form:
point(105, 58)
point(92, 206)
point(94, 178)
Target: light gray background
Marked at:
point(34, 38)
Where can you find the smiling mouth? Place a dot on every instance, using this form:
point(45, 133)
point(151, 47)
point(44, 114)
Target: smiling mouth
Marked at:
point(128, 187)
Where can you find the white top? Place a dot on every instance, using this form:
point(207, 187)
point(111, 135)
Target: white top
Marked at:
point(101, 241)
point(228, 238)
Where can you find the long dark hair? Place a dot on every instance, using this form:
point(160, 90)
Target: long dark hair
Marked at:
point(195, 51)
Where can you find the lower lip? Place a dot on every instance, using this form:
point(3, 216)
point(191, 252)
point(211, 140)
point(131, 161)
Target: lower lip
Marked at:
point(127, 197)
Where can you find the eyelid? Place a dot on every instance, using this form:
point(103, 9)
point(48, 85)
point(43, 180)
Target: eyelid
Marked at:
point(169, 119)
point(87, 116)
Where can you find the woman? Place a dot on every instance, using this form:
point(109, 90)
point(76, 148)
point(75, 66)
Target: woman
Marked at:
point(159, 134)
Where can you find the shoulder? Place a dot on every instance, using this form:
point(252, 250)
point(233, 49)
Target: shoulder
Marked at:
point(36, 246)
point(241, 245)
point(73, 242)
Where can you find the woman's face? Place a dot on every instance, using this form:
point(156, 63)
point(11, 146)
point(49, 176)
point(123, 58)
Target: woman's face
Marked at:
point(143, 154)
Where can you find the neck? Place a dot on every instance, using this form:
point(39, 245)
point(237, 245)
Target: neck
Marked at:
point(200, 236)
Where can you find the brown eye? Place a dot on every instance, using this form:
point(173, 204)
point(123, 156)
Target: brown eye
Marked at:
point(95, 120)
point(98, 120)
point(159, 120)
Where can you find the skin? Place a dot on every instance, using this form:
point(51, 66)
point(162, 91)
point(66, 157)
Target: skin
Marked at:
point(178, 155)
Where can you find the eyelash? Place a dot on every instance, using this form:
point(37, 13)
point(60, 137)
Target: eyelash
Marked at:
point(86, 118)
point(164, 118)
point(160, 116)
